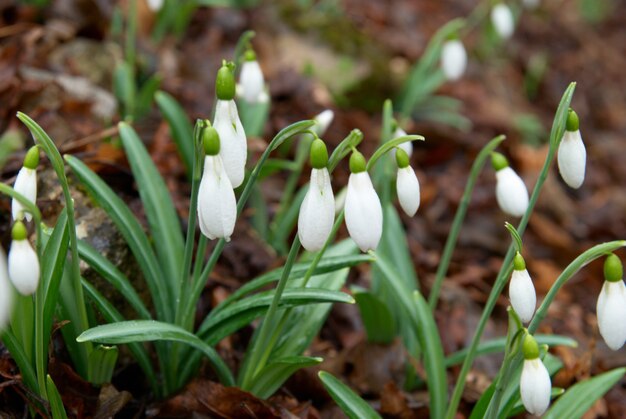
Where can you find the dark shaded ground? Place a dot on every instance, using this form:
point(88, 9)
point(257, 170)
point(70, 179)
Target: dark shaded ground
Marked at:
point(380, 41)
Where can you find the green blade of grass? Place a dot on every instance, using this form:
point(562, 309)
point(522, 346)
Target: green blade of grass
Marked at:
point(274, 374)
point(180, 127)
point(349, 402)
point(56, 404)
point(376, 316)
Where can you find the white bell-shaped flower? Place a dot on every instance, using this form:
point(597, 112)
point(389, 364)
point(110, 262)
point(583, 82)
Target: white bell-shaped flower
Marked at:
point(453, 59)
point(407, 185)
point(217, 207)
point(511, 192)
point(611, 307)
point(317, 212)
point(522, 291)
point(6, 293)
point(155, 5)
point(407, 146)
point(323, 121)
point(535, 385)
point(502, 20)
point(26, 184)
point(24, 269)
point(572, 156)
point(251, 81)
point(363, 211)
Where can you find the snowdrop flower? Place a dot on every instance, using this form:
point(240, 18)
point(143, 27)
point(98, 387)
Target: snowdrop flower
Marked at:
point(364, 214)
point(23, 262)
point(535, 384)
point(323, 121)
point(251, 87)
point(502, 20)
point(521, 290)
point(317, 213)
point(6, 294)
point(233, 150)
point(572, 156)
point(611, 307)
point(26, 184)
point(217, 208)
point(453, 59)
point(407, 185)
point(511, 192)
point(155, 5)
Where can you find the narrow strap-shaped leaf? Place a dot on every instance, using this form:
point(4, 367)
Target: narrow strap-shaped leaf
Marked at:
point(377, 319)
point(349, 402)
point(274, 374)
point(56, 404)
point(180, 127)
point(21, 359)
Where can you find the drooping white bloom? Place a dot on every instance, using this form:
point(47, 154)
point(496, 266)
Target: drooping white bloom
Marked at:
point(502, 20)
point(406, 146)
point(252, 83)
point(453, 59)
point(155, 5)
point(535, 386)
point(408, 188)
point(522, 295)
point(26, 184)
point(234, 149)
point(323, 121)
point(611, 311)
point(6, 294)
point(511, 192)
point(364, 214)
point(317, 213)
point(217, 208)
point(23, 267)
point(572, 158)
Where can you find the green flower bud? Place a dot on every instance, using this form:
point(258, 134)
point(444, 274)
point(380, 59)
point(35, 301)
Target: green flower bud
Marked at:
point(210, 141)
point(357, 162)
point(518, 262)
point(498, 161)
point(319, 154)
point(225, 81)
point(530, 348)
point(572, 121)
point(19, 231)
point(31, 160)
point(613, 270)
point(249, 55)
point(402, 158)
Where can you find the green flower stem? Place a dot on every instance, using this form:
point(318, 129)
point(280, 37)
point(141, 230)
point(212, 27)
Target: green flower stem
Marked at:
point(41, 352)
point(459, 217)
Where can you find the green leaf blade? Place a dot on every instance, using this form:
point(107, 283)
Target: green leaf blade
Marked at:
point(349, 402)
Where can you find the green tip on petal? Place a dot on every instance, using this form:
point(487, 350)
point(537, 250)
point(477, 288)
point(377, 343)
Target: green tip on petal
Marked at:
point(19, 231)
point(519, 264)
point(211, 141)
point(249, 55)
point(613, 270)
point(530, 347)
point(572, 123)
point(498, 161)
point(319, 154)
point(31, 160)
point(402, 158)
point(357, 162)
point(225, 81)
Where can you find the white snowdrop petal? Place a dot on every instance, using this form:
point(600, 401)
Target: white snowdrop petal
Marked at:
point(535, 386)
point(6, 294)
point(155, 5)
point(611, 311)
point(23, 267)
point(364, 214)
point(323, 121)
point(502, 20)
point(522, 295)
point(453, 59)
point(233, 148)
point(408, 188)
point(26, 184)
point(317, 213)
point(511, 192)
point(252, 81)
point(572, 158)
point(217, 207)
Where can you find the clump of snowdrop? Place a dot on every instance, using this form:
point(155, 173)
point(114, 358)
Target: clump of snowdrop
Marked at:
point(502, 20)
point(23, 261)
point(453, 59)
point(511, 192)
point(363, 211)
point(572, 156)
point(323, 121)
point(521, 290)
point(535, 385)
point(317, 213)
point(26, 184)
point(6, 294)
point(407, 185)
point(217, 207)
point(233, 149)
point(251, 87)
point(611, 307)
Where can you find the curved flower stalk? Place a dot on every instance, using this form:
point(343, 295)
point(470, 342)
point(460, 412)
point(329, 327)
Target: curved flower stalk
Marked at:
point(6, 293)
point(407, 146)
point(611, 307)
point(535, 384)
point(23, 262)
point(217, 207)
point(453, 59)
point(363, 211)
point(251, 87)
point(317, 212)
point(26, 184)
point(522, 291)
point(502, 20)
point(407, 185)
point(234, 149)
point(511, 192)
point(323, 121)
point(572, 156)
